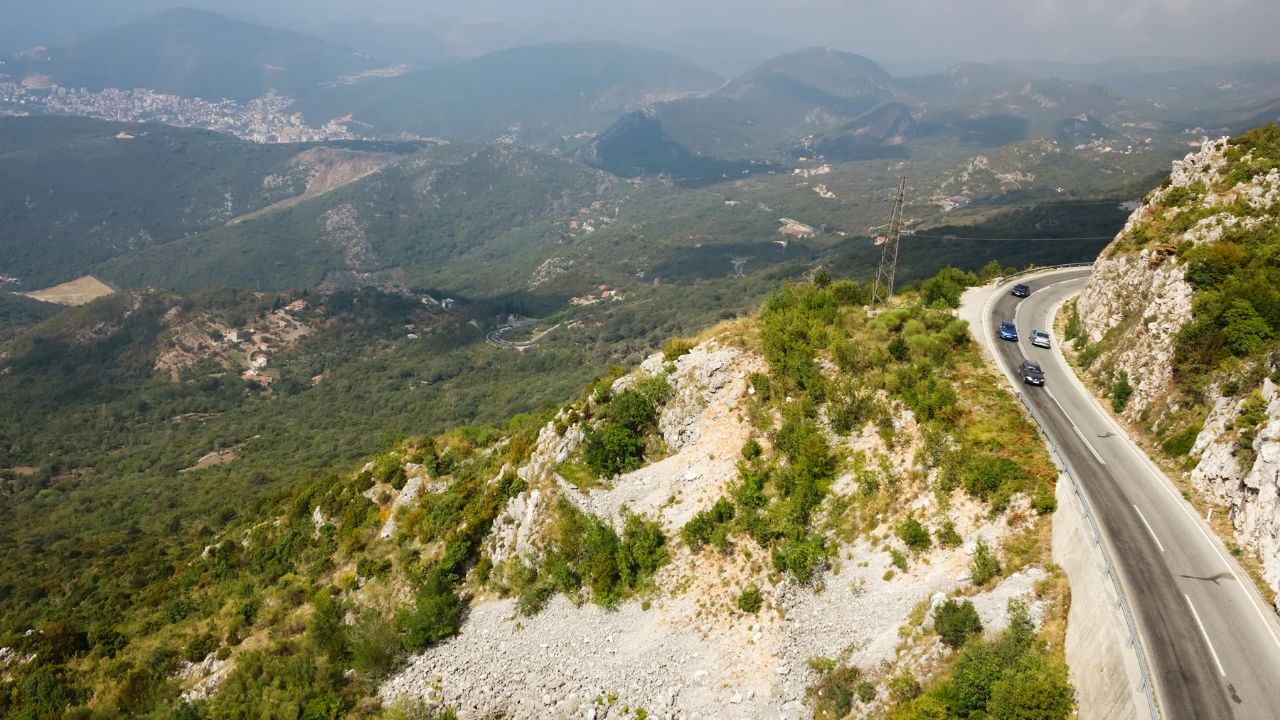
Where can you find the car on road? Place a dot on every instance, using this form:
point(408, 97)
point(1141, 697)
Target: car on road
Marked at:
point(1008, 331)
point(1031, 373)
point(1020, 290)
point(1040, 338)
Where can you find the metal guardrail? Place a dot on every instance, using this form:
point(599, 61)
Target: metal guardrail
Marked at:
point(1039, 269)
point(1134, 641)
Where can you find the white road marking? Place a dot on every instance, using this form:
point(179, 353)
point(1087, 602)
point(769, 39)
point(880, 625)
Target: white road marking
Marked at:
point(1208, 642)
point(1083, 439)
point(1153, 532)
point(1154, 474)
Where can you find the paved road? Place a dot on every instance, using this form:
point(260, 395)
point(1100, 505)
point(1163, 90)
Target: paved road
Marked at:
point(495, 337)
point(1211, 641)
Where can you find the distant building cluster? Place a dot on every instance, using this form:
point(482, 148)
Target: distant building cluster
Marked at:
point(9, 280)
point(591, 299)
point(810, 172)
point(262, 120)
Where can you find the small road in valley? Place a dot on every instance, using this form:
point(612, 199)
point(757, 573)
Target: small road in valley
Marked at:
point(495, 337)
point(1212, 642)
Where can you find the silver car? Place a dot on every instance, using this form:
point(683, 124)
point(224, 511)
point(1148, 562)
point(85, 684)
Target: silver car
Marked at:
point(1040, 338)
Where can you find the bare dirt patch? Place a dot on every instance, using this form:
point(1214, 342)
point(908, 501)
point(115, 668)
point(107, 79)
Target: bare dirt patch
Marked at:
point(77, 292)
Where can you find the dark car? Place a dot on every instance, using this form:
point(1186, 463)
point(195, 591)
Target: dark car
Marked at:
point(1008, 331)
point(1031, 373)
point(1020, 290)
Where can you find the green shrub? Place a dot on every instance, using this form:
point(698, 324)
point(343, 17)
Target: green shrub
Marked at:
point(760, 383)
point(898, 559)
point(702, 526)
point(751, 449)
point(865, 691)
point(1121, 393)
point(369, 568)
point(1088, 355)
point(1035, 688)
point(326, 629)
point(831, 695)
point(903, 688)
point(676, 347)
point(643, 549)
point(200, 647)
point(956, 622)
point(977, 670)
point(801, 557)
point(433, 616)
point(947, 535)
point(1044, 502)
point(375, 643)
point(750, 600)
point(1244, 328)
point(985, 564)
point(613, 450)
point(985, 476)
point(911, 532)
point(1180, 443)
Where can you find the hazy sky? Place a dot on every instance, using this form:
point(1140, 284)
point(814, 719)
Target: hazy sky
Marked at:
point(892, 31)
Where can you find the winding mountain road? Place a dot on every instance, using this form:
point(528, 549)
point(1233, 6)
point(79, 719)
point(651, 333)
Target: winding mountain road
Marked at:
point(1212, 642)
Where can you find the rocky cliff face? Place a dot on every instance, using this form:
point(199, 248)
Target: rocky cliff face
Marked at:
point(1250, 488)
point(1136, 302)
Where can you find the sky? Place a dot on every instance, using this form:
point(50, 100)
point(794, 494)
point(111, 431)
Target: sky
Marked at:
point(729, 33)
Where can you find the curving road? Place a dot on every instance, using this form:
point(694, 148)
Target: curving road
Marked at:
point(1212, 643)
point(495, 337)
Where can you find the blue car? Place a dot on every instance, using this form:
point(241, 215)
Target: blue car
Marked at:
point(1008, 331)
point(1020, 290)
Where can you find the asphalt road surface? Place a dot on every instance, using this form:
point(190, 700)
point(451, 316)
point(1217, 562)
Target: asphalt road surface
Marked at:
point(1210, 639)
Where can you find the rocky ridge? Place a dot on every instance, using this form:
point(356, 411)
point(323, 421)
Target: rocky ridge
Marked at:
point(686, 651)
point(1132, 308)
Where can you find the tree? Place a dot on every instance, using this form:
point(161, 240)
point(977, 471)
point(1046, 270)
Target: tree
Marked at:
point(976, 672)
point(990, 271)
point(1036, 689)
point(1244, 328)
point(956, 622)
point(326, 629)
point(1121, 393)
point(433, 616)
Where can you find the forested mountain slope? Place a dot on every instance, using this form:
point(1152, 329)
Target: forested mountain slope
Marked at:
point(76, 192)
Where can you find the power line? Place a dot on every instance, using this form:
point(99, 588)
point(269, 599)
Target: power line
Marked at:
point(883, 288)
point(953, 237)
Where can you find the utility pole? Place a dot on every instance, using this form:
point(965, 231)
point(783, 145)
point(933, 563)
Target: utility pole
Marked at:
point(883, 288)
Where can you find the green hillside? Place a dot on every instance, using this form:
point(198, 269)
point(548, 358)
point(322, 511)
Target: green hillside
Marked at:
point(535, 94)
point(73, 193)
point(193, 53)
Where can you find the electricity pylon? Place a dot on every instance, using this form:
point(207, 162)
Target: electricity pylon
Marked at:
point(883, 288)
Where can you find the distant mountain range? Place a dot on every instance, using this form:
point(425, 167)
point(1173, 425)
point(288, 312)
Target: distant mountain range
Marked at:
point(532, 94)
point(191, 53)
